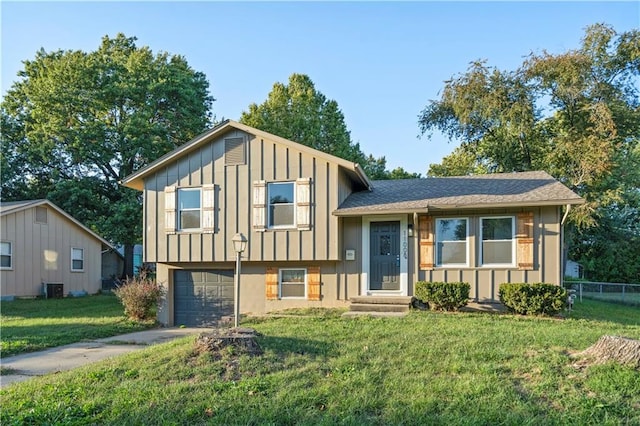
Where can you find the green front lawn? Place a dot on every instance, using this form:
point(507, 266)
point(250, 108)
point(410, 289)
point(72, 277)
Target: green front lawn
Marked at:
point(427, 368)
point(37, 324)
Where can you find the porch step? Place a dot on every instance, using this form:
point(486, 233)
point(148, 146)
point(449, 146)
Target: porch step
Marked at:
point(383, 300)
point(378, 307)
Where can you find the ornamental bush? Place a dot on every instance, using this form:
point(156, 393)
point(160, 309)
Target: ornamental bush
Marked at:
point(140, 296)
point(443, 296)
point(533, 299)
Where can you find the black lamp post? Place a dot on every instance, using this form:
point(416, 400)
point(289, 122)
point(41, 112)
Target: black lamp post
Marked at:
point(239, 245)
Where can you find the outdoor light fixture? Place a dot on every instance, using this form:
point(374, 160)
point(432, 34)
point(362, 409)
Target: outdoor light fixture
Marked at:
point(239, 244)
point(410, 229)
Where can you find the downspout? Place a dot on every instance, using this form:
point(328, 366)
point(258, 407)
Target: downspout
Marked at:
point(566, 213)
point(562, 256)
point(416, 254)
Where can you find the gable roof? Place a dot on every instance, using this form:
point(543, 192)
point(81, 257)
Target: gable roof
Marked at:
point(136, 180)
point(17, 206)
point(463, 192)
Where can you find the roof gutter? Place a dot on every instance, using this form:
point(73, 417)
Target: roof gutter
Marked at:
point(449, 207)
point(363, 176)
point(379, 212)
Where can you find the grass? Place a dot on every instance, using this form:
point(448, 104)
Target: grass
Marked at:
point(36, 324)
point(426, 368)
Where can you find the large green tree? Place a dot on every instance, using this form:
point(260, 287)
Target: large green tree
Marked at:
point(575, 114)
point(299, 112)
point(75, 123)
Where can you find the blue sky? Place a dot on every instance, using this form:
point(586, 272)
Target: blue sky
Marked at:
point(381, 61)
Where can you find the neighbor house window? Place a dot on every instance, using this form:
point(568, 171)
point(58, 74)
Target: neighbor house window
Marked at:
point(451, 242)
point(77, 259)
point(6, 257)
point(281, 204)
point(498, 242)
point(293, 283)
point(189, 208)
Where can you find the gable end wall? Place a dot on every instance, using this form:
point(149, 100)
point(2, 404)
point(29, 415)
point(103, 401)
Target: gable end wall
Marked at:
point(42, 254)
point(266, 160)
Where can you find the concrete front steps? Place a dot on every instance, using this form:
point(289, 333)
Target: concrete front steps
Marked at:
point(379, 306)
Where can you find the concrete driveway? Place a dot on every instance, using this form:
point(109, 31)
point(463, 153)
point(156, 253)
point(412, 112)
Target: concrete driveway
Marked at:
point(25, 366)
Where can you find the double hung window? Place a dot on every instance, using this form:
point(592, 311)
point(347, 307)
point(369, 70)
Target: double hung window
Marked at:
point(293, 283)
point(452, 242)
point(281, 204)
point(6, 255)
point(189, 211)
point(77, 259)
point(498, 240)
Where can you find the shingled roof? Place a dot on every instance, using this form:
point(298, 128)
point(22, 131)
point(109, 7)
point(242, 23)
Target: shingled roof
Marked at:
point(463, 192)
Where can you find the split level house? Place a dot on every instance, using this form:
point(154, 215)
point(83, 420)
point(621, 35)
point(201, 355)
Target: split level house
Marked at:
point(44, 251)
point(320, 231)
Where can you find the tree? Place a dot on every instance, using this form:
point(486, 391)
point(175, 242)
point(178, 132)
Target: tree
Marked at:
point(401, 173)
point(76, 123)
point(462, 161)
point(575, 114)
point(299, 112)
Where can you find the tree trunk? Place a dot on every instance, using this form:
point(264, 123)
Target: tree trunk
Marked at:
point(613, 348)
point(128, 261)
point(243, 339)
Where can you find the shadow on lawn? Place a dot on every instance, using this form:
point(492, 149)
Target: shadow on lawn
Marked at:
point(290, 345)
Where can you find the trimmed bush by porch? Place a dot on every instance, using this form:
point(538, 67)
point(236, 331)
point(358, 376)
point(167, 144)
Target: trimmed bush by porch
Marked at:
point(443, 296)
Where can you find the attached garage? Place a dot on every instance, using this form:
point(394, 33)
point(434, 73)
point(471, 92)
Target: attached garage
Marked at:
point(202, 298)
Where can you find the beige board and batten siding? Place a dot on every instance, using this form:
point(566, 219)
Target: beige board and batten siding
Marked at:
point(485, 281)
point(41, 253)
point(268, 161)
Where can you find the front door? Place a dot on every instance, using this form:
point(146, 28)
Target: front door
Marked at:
point(384, 256)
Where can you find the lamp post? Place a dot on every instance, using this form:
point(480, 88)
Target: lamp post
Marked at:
point(239, 244)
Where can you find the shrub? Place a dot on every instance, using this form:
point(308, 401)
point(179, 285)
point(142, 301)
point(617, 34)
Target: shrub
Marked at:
point(443, 296)
point(140, 296)
point(533, 299)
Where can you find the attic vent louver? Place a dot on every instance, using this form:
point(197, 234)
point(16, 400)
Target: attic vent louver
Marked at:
point(234, 151)
point(41, 215)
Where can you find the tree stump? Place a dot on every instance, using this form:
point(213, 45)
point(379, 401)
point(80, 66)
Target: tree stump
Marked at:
point(622, 350)
point(242, 339)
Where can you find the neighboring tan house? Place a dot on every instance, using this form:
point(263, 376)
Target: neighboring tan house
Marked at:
point(42, 246)
point(320, 232)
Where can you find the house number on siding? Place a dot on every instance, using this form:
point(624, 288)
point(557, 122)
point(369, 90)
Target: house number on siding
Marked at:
point(404, 244)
